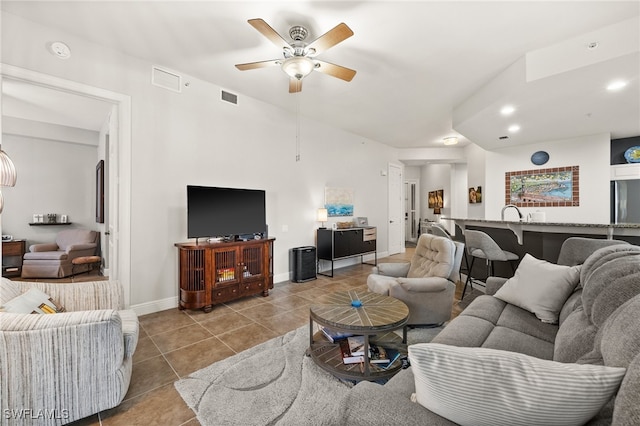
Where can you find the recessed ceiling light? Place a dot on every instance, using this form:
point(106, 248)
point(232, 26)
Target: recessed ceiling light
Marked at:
point(616, 85)
point(514, 128)
point(60, 50)
point(507, 110)
point(451, 140)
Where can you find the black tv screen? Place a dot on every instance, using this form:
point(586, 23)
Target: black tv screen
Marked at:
point(223, 212)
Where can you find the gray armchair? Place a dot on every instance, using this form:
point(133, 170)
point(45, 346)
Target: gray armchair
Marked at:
point(53, 260)
point(427, 283)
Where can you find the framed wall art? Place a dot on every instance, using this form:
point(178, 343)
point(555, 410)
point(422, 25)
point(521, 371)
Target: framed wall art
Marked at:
point(338, 201)
point(556, 187)
point(475, 195)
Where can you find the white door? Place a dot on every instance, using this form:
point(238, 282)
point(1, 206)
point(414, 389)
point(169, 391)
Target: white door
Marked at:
point(396, 210)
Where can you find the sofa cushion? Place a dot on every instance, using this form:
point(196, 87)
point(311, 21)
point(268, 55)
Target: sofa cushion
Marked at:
point(478, 386)
point(575, 337)
point(540, 287)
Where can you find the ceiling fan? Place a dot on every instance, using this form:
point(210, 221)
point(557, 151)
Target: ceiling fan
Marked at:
point(299, 57)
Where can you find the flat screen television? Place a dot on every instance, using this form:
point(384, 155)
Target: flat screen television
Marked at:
point(225, 212)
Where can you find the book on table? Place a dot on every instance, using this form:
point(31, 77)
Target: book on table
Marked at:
point(356, 345)
point(393, 355)
point(347, 356)
point(378, 354)
point(333, 335)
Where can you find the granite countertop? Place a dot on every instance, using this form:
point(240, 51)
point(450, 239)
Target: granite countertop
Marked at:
point(578, 225)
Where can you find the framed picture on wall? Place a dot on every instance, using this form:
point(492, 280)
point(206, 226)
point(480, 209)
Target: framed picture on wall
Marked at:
point(475, 195)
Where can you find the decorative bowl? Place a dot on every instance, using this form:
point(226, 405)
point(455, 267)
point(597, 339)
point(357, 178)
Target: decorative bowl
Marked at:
point(344, 225)
point(632, 155)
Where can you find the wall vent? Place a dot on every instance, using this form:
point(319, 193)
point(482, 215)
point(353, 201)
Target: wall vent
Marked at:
point(229, 97)
point(166, 79)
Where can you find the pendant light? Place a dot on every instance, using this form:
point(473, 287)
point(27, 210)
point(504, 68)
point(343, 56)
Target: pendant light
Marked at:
point(7, 174)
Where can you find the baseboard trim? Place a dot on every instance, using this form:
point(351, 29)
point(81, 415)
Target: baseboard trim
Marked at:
point(172, 302)
point(155, 306)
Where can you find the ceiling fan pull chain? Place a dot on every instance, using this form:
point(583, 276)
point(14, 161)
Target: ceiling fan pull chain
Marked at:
point(297, 127)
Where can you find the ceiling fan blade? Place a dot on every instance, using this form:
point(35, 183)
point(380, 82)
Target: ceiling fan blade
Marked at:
point(266, 30)
point(334, 70)
point(295, 85)
point(332, 37)
point(255, 65)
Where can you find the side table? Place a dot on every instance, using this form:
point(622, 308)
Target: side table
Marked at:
point(376, 319)
point(12, 255)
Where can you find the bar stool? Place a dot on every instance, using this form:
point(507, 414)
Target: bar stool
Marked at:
point(437, 229)
point(480, 245)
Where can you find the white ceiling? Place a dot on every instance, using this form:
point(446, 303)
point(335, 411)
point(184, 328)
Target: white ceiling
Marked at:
point(417, 62)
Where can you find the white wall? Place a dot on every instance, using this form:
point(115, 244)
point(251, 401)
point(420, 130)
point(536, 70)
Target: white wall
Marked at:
point(591, 153)
point(193, 138)
point(53, 177)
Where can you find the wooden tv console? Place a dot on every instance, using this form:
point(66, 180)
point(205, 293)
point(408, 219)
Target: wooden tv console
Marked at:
point(214, 273)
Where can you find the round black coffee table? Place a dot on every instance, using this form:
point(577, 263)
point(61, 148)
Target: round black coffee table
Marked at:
point(376, 318)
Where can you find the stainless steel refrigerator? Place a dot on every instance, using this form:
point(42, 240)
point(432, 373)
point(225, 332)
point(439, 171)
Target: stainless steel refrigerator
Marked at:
point(625, 200)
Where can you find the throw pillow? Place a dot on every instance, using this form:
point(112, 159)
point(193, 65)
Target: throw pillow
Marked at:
point(33, 301)
point(540, 287)
point(481, 386)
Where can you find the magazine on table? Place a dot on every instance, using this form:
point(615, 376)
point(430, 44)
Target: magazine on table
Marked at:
point(334, 335)
point(356, 345)
point(378, 355)
point(393, 355)
point(347, 356)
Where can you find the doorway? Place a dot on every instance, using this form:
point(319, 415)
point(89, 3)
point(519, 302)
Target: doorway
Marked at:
point(396, 208)
point(119, 168)
point(411, 212)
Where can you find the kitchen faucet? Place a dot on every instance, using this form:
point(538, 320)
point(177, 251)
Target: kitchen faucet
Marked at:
point(515, 207)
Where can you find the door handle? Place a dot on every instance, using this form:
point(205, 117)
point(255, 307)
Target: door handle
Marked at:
point(390, 221)
point(107, 233)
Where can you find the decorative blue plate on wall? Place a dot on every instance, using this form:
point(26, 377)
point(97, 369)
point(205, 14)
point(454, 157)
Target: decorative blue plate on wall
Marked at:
point(632, 155)
point(540, 157)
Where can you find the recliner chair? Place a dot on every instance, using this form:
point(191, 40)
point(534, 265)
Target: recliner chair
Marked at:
point(427, 284)
point(53, 260)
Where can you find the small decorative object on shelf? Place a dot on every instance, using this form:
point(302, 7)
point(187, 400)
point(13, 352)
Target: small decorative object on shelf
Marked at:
point(632, 155)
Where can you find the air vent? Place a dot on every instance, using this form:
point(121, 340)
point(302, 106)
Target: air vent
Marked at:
point(229, 97)
point(166, 79)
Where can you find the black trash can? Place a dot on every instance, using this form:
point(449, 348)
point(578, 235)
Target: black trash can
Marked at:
point(304, 264)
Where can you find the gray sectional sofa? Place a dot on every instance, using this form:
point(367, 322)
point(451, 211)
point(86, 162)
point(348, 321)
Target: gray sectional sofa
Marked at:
point(598, 324)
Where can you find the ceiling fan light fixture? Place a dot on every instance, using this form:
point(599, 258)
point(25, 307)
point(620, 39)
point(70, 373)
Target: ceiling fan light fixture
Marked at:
point(451, 140)
point(298, 67)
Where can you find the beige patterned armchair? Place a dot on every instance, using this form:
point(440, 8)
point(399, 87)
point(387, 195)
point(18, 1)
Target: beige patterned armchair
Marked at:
point(58, 368)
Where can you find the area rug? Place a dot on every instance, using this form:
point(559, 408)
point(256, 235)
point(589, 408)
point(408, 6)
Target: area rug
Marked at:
point(273, 383)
